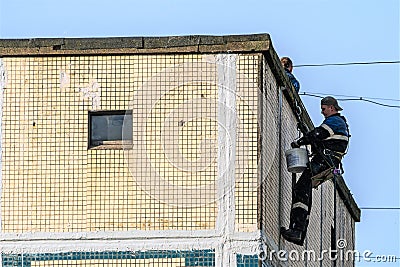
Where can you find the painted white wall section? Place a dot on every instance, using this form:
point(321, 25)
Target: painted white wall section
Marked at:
point(227, 115)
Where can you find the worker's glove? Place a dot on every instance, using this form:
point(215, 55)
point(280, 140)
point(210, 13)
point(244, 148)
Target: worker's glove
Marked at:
point(294, 144)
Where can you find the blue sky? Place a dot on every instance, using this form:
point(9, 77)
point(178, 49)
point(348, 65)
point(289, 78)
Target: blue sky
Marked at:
point(310, 32)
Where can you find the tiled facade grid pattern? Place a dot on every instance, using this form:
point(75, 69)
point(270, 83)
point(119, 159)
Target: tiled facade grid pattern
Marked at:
point(53, 183)
point(288, 134)
point(275, 212)
point(246, 189)
point(112, 263)
point(313, 239)
point(115, 258)
point(270, 209)
point(345, 230)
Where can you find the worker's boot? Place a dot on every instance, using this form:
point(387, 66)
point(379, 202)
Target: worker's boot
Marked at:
point(292, 235)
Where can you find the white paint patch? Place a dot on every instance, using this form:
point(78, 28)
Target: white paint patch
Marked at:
point(93, 92)
point(57, 246)
point(64, 79)
point(231, 247)
point(227, 116)
point(3, 75)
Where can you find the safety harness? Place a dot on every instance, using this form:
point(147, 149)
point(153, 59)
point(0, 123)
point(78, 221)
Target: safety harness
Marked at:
point(326, 154)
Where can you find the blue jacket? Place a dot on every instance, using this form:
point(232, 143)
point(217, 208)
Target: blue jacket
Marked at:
point(336, 133)
point(293, 80)
point(332, 134)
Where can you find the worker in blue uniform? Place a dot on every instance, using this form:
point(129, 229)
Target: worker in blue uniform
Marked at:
point(287, 64)
point(329, 143)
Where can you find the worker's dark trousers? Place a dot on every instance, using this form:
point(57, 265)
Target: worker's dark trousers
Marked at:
point(301, 202)
point(302, 197)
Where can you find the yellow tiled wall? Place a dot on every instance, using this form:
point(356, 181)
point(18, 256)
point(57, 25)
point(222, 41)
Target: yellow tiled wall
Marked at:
point(52, 182)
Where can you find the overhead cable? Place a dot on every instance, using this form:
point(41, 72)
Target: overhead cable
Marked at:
point(353, 99)
point(380, 208)
point(352, 96)
point(347, 64)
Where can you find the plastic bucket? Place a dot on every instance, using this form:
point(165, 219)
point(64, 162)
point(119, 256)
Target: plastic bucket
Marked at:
point(296, 159)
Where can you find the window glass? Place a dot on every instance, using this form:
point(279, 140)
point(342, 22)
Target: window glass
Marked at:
point(110, 128)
